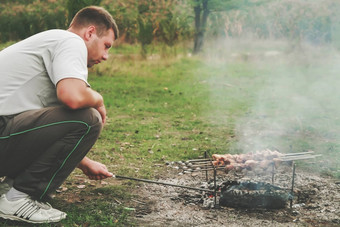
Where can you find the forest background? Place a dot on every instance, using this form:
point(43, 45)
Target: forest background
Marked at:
point(174, 21)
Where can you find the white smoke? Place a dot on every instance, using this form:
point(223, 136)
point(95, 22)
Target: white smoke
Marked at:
point(295, 95)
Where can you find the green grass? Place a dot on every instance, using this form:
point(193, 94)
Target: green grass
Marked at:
point(171, 108)
point(98, 208)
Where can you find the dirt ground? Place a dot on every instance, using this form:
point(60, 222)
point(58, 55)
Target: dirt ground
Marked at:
point(316, 202)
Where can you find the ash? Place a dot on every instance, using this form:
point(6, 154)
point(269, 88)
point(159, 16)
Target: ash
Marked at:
point(316, 201)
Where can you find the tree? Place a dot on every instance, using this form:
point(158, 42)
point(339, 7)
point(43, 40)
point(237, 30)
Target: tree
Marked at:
point(202, 10)
point(144, 35)
point(145, 27)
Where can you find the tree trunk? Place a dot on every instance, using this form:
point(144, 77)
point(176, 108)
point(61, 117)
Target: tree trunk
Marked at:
point(201, 16)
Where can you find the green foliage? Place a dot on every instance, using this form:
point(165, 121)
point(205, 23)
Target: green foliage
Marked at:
point(73, 6)
point(172, 21)
point(174, 24)
point(20, 20)
point(294, 20)
point(144, 35)
point(147, 21)
point(169, 30)
point(125, 13)
point(18, 1)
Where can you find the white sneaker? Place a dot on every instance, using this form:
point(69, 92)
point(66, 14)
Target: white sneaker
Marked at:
point(29, 210)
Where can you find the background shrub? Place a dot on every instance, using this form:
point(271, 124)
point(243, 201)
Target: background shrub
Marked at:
point(73, 6)
point(172, 20)
point(20, 19)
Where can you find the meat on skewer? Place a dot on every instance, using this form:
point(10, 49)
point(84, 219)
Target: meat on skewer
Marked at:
point(262, 159)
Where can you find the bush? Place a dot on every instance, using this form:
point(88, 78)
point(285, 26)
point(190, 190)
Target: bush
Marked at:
point(73, 6)
point(170, 19)
point(19, 20)
point(296, 20)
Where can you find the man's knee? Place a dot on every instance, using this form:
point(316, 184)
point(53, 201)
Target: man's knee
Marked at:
point(90, 116)
point(94, 117)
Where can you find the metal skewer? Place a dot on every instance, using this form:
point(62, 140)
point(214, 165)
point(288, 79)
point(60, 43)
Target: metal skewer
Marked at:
point(162, 183)
point(201, 165)
point(301, 153)
point(212, 168)
point(198, 160)
point(196, 165)
point(292, 188)
point(297, 157)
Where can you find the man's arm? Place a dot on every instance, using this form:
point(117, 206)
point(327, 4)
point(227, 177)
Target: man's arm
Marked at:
point(75, 94)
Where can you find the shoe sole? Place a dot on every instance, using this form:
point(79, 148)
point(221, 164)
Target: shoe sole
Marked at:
point(15, 218)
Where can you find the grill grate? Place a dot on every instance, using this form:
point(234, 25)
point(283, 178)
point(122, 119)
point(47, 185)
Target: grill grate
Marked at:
point(257, 198)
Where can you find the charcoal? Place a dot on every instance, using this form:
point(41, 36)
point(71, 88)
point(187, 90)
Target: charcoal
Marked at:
point(253, 195)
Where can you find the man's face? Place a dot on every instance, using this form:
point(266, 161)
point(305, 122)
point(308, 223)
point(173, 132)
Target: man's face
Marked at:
point(98, 48)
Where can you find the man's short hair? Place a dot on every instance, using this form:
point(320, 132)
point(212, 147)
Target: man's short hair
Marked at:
point(97, 16)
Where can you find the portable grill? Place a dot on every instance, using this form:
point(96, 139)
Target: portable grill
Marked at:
point(205, 165)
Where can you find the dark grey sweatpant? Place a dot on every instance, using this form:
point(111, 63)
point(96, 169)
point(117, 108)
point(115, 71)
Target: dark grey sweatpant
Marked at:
point(40, 148)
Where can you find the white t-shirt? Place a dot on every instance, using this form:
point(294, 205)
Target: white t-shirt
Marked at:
point(31, 68)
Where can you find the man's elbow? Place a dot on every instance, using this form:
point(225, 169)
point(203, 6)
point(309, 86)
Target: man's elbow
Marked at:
point(71, 102)
point(72, 105)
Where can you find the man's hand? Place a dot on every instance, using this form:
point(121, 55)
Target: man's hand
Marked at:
point(94, 170)
point(102, 111)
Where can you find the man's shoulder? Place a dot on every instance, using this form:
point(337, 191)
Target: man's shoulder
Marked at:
point(58, 34)
point(55, 39)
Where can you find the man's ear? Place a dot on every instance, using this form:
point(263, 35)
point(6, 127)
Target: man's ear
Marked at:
point(90, 31)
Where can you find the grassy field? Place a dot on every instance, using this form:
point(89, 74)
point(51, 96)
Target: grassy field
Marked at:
point(241, 97)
